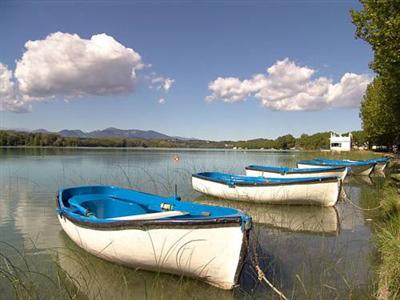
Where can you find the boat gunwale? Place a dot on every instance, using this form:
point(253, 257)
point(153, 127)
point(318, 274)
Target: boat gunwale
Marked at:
point(270, 183)
point(240, 218)
point(145, 225)
point(290, 171)
point(331, 163)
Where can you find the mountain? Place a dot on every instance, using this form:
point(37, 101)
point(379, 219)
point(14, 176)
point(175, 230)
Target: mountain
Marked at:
point(128, 134)
point(73, 133)
point(112, 132)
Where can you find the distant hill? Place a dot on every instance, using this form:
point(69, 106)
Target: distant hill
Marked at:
point(128, 134)
point(110, 132)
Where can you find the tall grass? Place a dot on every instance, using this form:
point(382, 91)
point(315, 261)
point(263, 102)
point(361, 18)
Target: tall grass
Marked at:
point(387, 236)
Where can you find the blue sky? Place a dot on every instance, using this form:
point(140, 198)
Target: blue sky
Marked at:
point(194, 43)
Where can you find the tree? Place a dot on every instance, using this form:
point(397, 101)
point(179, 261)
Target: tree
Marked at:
point(380, 122)
point(378, 23)
point(285, 142)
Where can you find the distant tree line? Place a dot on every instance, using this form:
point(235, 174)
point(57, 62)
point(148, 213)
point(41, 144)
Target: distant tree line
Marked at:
point(307, 142)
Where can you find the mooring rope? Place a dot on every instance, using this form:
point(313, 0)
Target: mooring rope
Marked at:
point(260, 274)
point(347, 199)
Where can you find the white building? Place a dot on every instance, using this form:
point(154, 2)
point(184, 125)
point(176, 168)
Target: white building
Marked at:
point(339, 142)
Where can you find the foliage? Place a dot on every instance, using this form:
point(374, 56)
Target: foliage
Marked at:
point(378, 23)
point(380, 121)
point(315, 141)
point(359, 138)
point(388, 245)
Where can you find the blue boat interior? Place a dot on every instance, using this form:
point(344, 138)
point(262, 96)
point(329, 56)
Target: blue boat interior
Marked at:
point(102, 203)
point(290, 170)
point(232, 179)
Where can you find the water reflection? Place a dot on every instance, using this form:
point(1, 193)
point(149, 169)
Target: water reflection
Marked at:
point(308, 219)
point(308, 252)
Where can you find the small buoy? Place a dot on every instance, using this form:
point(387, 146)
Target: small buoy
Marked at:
point(175, 157)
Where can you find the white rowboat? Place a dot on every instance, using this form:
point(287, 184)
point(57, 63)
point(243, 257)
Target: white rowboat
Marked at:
point(323, 191)
point(283, 172)
point(205, 242)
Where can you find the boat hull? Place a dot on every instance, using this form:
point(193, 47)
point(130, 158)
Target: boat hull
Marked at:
point(324, 192)
point(357, 170)
point(200, 251)
point(381, 166)
point(268, 174)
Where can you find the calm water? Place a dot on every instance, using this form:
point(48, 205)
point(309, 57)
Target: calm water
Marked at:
point(308, 252)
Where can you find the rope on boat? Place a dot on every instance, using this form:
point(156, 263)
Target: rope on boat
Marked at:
point(261, 275)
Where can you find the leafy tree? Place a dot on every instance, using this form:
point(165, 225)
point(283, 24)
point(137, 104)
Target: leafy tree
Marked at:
point(380, 123)
point(285, 142)
point(378, 23)
point(359, 138)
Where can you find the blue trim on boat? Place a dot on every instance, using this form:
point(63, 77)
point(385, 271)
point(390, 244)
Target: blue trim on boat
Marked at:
point(331, 162)
point(242, 180)
point(286, 170)
point(96, 205)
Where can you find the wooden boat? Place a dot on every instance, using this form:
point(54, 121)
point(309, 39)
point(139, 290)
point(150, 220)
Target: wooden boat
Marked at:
point(284, 172)
point(157, 233)
point(323, 191)
point(355, 168)
point(294, 218)
point(380, 163)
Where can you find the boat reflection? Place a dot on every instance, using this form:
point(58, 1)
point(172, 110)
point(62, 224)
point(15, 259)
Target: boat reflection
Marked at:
point(307, 219)
point(88, 277)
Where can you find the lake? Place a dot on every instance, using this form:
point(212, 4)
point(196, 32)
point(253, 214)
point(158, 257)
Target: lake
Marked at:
point(307, 252)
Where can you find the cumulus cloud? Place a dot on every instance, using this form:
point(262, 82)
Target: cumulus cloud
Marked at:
point(9, 101)
point(64, 65)
point(67, 65)
point(289, 87)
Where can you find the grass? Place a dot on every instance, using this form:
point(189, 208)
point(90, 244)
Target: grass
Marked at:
point(387, 238)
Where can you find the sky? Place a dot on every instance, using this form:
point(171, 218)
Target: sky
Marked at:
point(213, 70)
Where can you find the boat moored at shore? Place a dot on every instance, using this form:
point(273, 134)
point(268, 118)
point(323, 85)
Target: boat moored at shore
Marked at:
point(380, 163)
point(354, 168)
point(157, 233)
point(323, 191)
point(284, 172)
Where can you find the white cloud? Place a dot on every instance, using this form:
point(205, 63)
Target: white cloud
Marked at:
point(160, 82)
point(289, 87)
point(67, 65)
point(161, 100)
point(9, 101)
point(168, 84)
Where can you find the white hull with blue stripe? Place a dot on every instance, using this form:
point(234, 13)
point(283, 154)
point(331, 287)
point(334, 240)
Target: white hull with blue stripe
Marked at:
point(300, 191)
point(283, 172)
point(355, 168)
point(380, 163)
point(200, 241)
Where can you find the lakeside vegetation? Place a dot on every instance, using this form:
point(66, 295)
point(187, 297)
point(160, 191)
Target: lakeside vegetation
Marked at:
point(315, 141)
point(387, 239)
point(378, 23)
